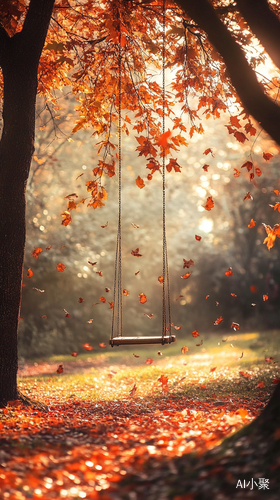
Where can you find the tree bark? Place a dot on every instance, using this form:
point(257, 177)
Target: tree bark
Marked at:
point(242, 76)
point(19, 59)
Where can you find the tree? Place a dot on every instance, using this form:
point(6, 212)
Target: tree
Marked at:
point(82, 51)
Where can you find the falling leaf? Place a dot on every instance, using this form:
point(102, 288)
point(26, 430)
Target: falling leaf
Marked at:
point(66, 218)
point(90, 321)
point(217, 303)
point(149, 361)
point(164, 382)
point(209, 203)
point(236, 172)
point(60, 369)
point(187, 263)
point(213, 369)
point(177, 327)
point(125, 292)
point(63, 246)
point(44, 316)
point(258, 171)
point(271, 234)
point(139, 182)
point(99, 273)
point(159, 353)
point(135, 225)
point(235, 326)
point(133, 391)
point(195, 333)
point(67, 315)
point(137, 272)
point(248, 196)
point(233, 295)
point(107, 289)
point(207, 297)
point(48, 248)
point(179, 297)
point(253, 289)
point(38, 290)
point(102, 344)
point(184, 349)
point(136, 355)
point(200, 343)
point(186, 276)
point(248, 165)
point(102, 299)
point(268, 360)
point(240, 136)
point(36, 252)
point(198, 238)
point(150, 316)
point(241, 356)
point(60, 267)
point(205, 167)
point(105, 225)
point(111, 304)
point(79, 176)
point(229, 272)
point(267, 156)
point(265, 297)
point(218, 320)
point(142, 298)
point(87, 347)
point(261, 384)
point(80, 300)
point(136, 253)
point(209, 150)
point(160, 279)
point(92, 263)
point(252, 223)
point(29, 273)
point(74, 354)
point(276, 191)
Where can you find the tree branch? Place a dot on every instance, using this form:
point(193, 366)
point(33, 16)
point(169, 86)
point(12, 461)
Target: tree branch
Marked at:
point(264, 24)
point(242, 76)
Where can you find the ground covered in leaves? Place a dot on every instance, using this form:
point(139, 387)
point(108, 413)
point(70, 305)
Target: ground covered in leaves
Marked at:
point(121, 427)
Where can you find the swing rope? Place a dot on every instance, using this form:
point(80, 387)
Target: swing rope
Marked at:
point(117, 305)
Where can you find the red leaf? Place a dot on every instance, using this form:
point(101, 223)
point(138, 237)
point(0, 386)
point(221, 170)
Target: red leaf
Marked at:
point(240, 136)
point(102, 344)
point(136, 355)
point(265, 297)
point(276, 381)
point(184, 349)
point(105, 225)
point(99, 273)
point(186, 276)
point(253, 289)
point(142, 298)
point(248, 196)
point(218, 320)
point(209, 150)
point(136, 253)
point(80, 300)
point(111, 304)
point(107, 289)
point(75, 354)
point(102, 299)
point(60, 369)
point(258, 171)
point(198, 238)
point(149, 361)
point(92, 263)
point(195, 333)
point(246, 375)
point(87, 347)
point(248, 165)
point(139, 182)
point(66, 218)
point(29, 273)
point(235, 326)
point(209, 203)
point(268, 360)
point(67, 315)
point(229, 272)
point(205, 167)
point(267, 156)
point(48, 248)
point(188, 263)
point(261, 384)
point(60, 267)
point(125, 292)
point(179, 297)
point(150, 316)
point(36, 252)
point(213, 369)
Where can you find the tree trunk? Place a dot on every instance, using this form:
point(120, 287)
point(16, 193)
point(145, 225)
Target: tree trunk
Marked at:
point(19, 59)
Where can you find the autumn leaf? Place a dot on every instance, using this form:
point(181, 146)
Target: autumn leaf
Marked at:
point(136, 253)
point(29, 273)
point(133, 391)
point(246, 375)
point(209, 203)
point(137, 272)
point(135, 225)
point(102, 299)
point(87, 347)
point(60, 267)
point(205, 167)
point(81, 300)
point(186, 276)
point(243, 413)
point(235, 326)
point(89, 321)
point(102, 344)
point(248, 196)
point(271, 232)
point(142, 298)
point(48, 248)
point(209, 150)
point(160, 279)
point(136, 355)
point(177, 327)
point(267, 156)
point(252, 223)
point(125, 292)
point(179, 297)
point(74, 354)
point(241, 356)
point(38, 290)
point(200, 343)
point(258, 171)
point(218, 321)
point(236, 172)
point(139, 182)
point(265, 298)
point(99, 273)
point(163, 140)
point(240, 137)
point(198, 238)
point(150, 316)
point(213, 369)
point(187, 263)
point(107, 289)
point(149, 361)
point(195, 333)
point(207, 297)
point(36, 252)
point(67, 315)
point(229, 272)
point(159, 353)
point(105, 225)
point(233, 295)
point(60, 369)
point(111, 304)
point(276, 381)
point(66, 218)
point(268, 360)
point(92, 263)
point(248, 165)
point(44, 316)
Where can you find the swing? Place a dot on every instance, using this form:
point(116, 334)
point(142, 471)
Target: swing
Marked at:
point(166, 337)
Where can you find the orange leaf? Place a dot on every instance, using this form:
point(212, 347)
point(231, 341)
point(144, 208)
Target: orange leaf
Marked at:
point(29, 273)
point(248, 165)
point(179, 297)
point(258, 171)
point(80, 300)
point(240, 136)
point(186, 276)
point(205, 167)
point(89, 321)
point(99, 273)
point(44, 316)
point(233, 295)
point(105, 225)
point(163, 140)
point(248, 196)
point(188, 263)
point(252, 223)
point(66, 218)
point(102, 299)
point(149, 361)
point(271, 234)
point(209, 203)
point(142, 298)
point(236, 172)
point(195, 333)
point(235, 326)
point(198, 238)
point(243, 413)
point(102, 344)
point(246, 375)
point(218, 321)
point(60, 267)
point(111, 304)
point(87, 347)
point(265, 297)
point(261, 384)
point(75, 354)
point(60, 369)
point(160, 279)
point(135, 225)
point(36, 252)
point(207, 151)
point(267, 156)
point(136, 253)
point(213, 369)
point(207, 297)
point(229, 272)
point(48, 248)
point(184, 349)
point(125, 292)
point(139, 182)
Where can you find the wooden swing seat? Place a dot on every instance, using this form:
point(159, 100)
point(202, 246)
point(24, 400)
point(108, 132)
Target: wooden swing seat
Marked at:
point(117, 341)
